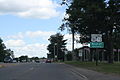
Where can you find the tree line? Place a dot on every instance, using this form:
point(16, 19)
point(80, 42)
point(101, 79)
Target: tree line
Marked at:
point(4, 52)
point(27, 59)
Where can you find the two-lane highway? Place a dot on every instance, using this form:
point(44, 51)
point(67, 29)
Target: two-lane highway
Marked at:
point(37, 71)
point(50, 71)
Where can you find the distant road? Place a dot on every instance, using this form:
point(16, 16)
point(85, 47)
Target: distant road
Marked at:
point(50, 71)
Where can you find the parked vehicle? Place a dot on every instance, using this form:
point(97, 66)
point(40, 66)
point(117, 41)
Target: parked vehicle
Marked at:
point(37, 61)
point(8, 59)
point(48, 61)
point(14, 61)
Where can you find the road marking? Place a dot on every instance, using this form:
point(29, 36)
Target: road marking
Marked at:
point(79, 74)
point(31, 68)
point(76, 72)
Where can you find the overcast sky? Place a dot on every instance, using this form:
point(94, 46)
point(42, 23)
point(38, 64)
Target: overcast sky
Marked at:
point(26, 25)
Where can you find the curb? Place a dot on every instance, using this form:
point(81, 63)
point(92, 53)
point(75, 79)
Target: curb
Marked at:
point(76, 72)
point(79, 74)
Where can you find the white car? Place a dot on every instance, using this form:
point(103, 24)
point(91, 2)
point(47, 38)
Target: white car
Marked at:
point(14, 61)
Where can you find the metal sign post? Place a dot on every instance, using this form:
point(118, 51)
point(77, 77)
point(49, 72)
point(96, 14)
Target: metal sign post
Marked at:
point(80, 54)
point(118, 55)
point(97, 52)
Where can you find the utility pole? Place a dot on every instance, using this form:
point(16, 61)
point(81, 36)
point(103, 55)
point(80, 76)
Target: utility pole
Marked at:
point(55, 51)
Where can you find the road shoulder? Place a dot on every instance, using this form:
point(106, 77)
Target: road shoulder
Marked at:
point(1, 66)
point(92, 75)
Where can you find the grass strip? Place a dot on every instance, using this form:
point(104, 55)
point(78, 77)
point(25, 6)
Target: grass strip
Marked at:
point(102, 66)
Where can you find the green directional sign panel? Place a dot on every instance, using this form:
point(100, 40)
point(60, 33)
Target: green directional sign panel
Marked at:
point(96, 44)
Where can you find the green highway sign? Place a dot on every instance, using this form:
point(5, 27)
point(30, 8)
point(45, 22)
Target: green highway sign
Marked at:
point(96, 44)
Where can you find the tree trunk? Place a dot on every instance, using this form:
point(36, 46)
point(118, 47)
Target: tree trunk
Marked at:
point(110, 49)
point(73, 53)
point(73, 40)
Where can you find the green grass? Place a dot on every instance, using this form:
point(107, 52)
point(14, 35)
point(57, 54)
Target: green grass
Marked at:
point(102, 67)
point(1, 66)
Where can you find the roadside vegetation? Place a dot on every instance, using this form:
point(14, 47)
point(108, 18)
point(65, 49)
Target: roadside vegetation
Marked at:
point(86, 17)
point(4, 52)
point(102, 66)
point(57, 47)
point(1, 66)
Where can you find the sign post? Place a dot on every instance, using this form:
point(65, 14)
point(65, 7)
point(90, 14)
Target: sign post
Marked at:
point(96, 42)
point(80, 54)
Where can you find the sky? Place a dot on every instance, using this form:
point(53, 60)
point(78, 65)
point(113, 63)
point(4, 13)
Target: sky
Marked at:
point(26, 25)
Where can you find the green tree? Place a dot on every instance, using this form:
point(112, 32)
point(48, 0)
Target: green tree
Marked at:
point(70, 21)
point(5, 52)
point(94, 17)
point(69, 56)
point(2, 50)
point(23, 58)
point(35, 58)
point(112, 24)
point(9, 52)
point(57, 46)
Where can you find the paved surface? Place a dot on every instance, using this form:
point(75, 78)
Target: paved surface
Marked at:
point(93, 75)
point(53, 71)
point(37, 71)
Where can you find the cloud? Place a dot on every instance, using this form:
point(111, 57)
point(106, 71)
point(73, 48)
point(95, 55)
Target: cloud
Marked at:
point(14, 43)
point(23, 43)
point(69, 41)
point(32, 50)
point(32, 34)
point(20, 35)
point(42, 9)
point(39, 34)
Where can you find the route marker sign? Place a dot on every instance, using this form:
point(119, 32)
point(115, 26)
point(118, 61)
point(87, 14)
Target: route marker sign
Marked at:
point(96, 37)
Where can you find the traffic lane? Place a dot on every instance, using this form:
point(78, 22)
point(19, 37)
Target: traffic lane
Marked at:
point(50, 72)
point(33, 71)
point(9, 72)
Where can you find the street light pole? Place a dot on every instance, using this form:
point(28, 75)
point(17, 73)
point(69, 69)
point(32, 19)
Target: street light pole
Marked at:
point(63, 53)
point(57, 52)
point(54, 53)
point(54, 50)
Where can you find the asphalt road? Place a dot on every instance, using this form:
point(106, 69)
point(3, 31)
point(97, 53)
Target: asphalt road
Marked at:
point(50, 71)
point(37, 71)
